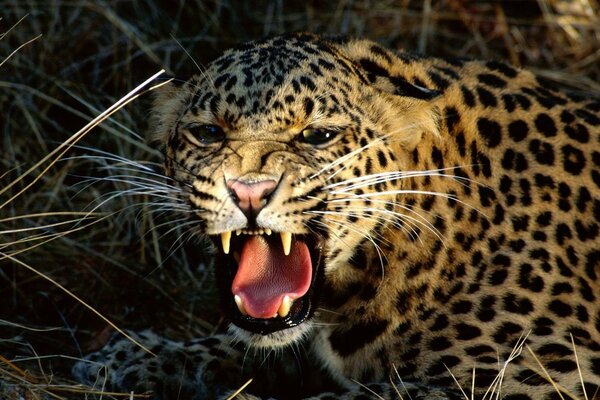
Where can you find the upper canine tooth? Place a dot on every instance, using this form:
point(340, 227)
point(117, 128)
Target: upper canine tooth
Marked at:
point(284, 308)
point(286, 241)
point(225, 241)
point(240, 304)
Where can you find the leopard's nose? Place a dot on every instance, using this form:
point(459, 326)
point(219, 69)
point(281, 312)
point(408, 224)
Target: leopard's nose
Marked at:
point(251, 197)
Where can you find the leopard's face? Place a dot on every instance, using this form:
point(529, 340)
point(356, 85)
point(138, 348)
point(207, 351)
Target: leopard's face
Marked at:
point(276, 148)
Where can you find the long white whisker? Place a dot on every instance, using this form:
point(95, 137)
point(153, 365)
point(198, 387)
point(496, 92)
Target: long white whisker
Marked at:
point(409, 230)
point(324, 224)
point(38, 227)
point(136, 170)
point(146, 167)
point(366, 180)
point(60, 151)
point(123, 131)
point(358, 213)
point(54, 236)
point(427, 225)
point(346, 157)
point(133, 180)
point(179, 226)
point(405, 191)
point(380, 253)
point(110, 157)
point(386, 202)
point(143, 192)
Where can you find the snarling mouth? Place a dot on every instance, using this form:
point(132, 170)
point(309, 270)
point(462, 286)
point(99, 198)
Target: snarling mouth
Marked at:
point(268, 279)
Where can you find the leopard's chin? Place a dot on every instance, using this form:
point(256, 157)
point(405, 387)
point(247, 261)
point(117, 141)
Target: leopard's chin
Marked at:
point(270, 289)
point(281, 338)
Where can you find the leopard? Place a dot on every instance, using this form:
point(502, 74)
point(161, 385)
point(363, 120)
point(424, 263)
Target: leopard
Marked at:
point(385, 224)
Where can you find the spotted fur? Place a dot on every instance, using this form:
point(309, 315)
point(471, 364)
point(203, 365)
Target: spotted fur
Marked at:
point(458, 201)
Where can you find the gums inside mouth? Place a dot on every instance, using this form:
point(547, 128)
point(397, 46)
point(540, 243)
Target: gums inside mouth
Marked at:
point(268, 279)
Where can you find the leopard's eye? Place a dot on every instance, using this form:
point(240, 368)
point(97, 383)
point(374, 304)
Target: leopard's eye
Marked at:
point(207, 134)
point(318, 137)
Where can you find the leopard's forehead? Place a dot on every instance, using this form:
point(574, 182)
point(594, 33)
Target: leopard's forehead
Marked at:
point(270, 59)
point(277, 83)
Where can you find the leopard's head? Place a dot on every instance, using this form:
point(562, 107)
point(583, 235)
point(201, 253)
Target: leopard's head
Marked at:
point(280, 149)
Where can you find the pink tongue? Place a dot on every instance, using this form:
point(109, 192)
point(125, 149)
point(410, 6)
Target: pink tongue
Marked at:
point(265, 275)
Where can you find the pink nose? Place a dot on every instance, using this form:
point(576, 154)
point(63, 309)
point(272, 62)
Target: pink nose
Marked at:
point(251, 197)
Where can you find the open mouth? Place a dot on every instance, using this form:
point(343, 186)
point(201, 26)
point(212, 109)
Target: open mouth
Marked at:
point(268, 279)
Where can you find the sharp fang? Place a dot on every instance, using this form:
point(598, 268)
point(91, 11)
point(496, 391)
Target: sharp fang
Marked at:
point(286, 241)
point(225, 241)
point(284, 308)
point(268, 231)
point(240, 304)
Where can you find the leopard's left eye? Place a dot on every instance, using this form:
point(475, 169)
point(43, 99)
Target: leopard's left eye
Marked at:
point(317, 136)
point(206, 134)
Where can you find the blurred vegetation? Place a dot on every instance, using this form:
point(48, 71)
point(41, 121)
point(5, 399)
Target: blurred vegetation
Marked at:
point(130, 260)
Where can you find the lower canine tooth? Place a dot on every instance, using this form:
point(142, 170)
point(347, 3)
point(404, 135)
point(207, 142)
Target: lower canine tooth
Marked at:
point(284, 308)
point(286, 241)
point(240, 304)
point(225, 241)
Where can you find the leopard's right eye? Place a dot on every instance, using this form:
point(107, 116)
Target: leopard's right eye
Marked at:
point(207, 134)
point(318, 137)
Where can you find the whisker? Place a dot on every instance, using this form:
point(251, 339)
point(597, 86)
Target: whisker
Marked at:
point(103, 154)
point(320, 223)
point(412, 232)
point(352, 154)
point(380, 253)
point(372, 179)
point(50, 237)
point(184, 220)
point(45, 214)
point(58, 152)
point(136, 181)
point(344, 158)
point(122, 131)
point(406, 191)
point(38, 227)
point(328, 311)
point(422, 221)
point(171, 202)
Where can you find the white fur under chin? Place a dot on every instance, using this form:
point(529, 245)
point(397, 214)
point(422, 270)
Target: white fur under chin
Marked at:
point(282, 338)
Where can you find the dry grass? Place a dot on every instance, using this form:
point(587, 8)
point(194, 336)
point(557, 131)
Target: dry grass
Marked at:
point(120, 258)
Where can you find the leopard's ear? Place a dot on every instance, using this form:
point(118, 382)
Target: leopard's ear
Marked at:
point(166, 86)
point(382, 68)
point(163, 84)
point(168, 100)
point(411, 110)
